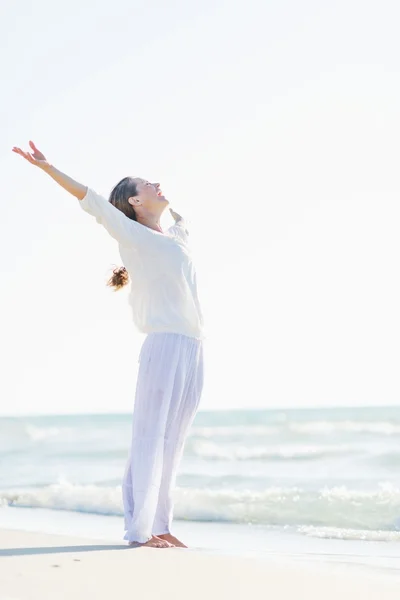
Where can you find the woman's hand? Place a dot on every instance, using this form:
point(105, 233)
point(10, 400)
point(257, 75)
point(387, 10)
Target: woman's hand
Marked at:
point(38, 159)
point(35, 157)
point(175, 216)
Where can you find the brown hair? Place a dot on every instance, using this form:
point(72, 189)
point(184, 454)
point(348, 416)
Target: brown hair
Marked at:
point(124, 189)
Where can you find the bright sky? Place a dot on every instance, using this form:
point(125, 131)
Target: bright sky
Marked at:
point(273, 127)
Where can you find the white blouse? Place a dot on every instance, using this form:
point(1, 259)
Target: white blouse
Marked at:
point(163, 294)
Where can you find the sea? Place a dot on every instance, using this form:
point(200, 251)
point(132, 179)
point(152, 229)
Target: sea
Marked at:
point(312, 482)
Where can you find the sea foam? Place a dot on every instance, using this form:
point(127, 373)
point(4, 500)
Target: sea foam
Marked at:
point(338, 507)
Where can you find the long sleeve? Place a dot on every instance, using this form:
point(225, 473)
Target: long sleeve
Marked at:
point(179, 229)
point(126, 231)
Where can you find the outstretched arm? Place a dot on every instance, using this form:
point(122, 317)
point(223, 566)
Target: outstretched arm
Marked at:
point(38, 159)
point(126, 231)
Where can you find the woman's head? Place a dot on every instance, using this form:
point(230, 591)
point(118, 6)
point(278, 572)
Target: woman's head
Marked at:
point(138, 199)
point(149, 199)
point(120, 194)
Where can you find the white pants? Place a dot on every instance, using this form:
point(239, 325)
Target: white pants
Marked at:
point(168, 391)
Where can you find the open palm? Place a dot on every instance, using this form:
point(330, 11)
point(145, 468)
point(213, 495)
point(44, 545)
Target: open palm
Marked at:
point(35, 157)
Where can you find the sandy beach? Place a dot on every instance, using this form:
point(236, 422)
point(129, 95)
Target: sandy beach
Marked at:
point(37, 566)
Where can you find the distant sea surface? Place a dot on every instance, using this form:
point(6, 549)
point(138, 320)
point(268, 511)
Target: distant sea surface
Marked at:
point(324, 473)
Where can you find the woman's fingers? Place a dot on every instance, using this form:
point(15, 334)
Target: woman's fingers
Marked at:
point(36, 152)
point(34, 157)
point(22, 153)
point(25, 155)
point(19, 151)
point(32, 145)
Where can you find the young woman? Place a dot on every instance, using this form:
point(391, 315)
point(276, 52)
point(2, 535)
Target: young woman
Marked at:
point(165, 306)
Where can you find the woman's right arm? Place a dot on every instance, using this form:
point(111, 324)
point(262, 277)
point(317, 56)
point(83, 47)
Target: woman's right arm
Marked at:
point(124, 230)
point(38, 159)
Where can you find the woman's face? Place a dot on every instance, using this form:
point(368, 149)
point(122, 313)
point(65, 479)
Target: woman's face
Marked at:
point(150, 196)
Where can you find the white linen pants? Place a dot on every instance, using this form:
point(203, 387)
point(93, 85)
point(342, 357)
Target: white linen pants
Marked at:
point(168, 390)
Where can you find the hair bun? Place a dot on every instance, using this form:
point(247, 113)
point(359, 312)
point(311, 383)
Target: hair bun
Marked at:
point(119, 278)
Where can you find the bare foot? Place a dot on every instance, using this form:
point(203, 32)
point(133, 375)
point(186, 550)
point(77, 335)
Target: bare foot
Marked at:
point(172, 540)
point(155, 542)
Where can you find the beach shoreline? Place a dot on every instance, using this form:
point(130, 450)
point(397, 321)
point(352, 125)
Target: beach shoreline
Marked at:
point(287, 499)
point(36, 566)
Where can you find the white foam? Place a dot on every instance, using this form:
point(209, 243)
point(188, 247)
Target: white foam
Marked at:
point(327, 427)
point(385, 428)
point(338, 507)
point(41, 433)
point(238, 430)
point(209, 450)
point(67, 496)
point(336, 533)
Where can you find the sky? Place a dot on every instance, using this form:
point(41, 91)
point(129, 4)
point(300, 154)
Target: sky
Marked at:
point(273, 127)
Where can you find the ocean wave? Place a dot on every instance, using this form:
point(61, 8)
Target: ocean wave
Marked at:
point(328, 427)
point(339, 507)
point(337, 533)
point(25, 431)
point(312, 428)
point(208, 450)
point(20, 433)
point(67, 496)
point(235, 431)
point(35, 433)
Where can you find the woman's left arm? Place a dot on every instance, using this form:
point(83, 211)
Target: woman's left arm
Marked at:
point(179, 220)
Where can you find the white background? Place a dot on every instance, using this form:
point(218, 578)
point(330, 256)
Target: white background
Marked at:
point(273, 127)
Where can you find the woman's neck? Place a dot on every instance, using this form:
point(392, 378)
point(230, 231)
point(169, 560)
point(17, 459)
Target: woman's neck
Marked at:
point(150, 221)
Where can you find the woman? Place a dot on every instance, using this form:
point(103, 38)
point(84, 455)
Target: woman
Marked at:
point(165, 306)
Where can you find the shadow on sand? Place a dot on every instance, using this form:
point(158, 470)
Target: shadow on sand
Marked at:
point(61, 549)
